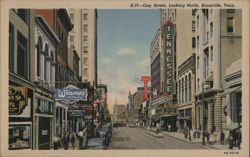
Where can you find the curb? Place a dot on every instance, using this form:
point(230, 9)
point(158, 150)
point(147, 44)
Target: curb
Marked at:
point(152, 134)
point(181, 139)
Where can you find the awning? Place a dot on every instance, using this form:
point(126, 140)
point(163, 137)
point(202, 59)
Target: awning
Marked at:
point(231, 126)
point(230, 90)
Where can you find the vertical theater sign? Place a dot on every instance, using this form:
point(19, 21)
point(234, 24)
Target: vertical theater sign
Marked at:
point(169, 57)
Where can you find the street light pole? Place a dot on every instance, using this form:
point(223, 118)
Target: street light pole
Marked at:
point(203, 115)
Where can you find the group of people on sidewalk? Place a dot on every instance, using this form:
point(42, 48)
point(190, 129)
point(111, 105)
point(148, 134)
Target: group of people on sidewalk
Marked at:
point(71, 137)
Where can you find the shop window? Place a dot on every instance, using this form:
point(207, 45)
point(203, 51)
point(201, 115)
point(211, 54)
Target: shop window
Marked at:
point(19, 137)
point(22, 55)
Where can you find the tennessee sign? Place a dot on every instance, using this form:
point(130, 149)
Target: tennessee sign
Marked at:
point(169, 30)
point(71, 94)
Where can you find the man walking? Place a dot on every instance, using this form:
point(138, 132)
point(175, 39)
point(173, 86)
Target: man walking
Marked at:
point(169, 127)
point(80, 137)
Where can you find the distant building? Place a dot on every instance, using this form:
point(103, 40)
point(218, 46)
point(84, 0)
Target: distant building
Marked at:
point(119, 114)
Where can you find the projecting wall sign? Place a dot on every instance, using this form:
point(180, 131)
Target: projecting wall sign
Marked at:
point(71, 94)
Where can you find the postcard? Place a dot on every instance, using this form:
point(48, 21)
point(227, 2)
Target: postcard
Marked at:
point(124, 78)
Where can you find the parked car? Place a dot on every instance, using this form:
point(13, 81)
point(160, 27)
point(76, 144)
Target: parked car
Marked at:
point(104, 134)
point(96, 143)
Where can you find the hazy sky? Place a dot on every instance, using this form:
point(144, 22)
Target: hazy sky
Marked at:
point(124, 38)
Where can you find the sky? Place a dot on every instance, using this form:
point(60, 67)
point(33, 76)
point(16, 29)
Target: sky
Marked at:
point(123, 43)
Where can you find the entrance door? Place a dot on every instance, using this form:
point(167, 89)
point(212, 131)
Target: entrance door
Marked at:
point(44, 133)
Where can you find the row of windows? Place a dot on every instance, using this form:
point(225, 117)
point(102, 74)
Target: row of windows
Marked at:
point(184, 89)
point(85, 16)
point(21, 54)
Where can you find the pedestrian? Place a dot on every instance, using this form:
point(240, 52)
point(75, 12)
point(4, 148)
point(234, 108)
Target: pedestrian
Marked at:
point(239, 139)
point(157, 128)
point(55, 142)
point(231, 141)
point(80, 137)
point(85, 138)
point(73, 139)
point(185, 132)
point(222, 137)
point(66, 139)
point(190, 134)
point(169, 127)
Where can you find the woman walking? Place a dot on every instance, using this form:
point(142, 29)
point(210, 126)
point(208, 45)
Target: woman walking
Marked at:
point(73, 139)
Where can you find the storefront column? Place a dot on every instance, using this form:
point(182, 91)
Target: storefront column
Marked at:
point(209, 121)
point(218, 114)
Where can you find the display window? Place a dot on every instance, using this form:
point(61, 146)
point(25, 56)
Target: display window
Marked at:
point(20, 137)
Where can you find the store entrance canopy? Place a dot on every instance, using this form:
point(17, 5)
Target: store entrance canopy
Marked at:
point(230, 90)
point(232, 126)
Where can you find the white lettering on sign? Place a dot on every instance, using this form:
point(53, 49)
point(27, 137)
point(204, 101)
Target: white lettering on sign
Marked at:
point(44, 132)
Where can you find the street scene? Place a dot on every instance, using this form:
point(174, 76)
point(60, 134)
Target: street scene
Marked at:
point(105, 79)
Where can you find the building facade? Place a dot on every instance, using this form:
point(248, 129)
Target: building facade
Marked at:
point(218, 41)
point(119, 114)
point(46, 42)
point(21, 87)
point(83, 37)
point(185, 60)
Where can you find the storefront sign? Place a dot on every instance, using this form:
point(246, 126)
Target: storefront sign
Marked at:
point(76, 113)
point(71, 94)
point(169, 45)
point(17, 101)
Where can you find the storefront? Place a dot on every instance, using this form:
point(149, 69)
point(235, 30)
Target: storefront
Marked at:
point(20, 107)
point(185, 119)
point(61, 119)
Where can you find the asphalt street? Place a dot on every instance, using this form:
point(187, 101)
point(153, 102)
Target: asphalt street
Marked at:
point(137, 138)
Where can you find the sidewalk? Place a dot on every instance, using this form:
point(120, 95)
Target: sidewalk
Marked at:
point(180, 136)
point(216, 145)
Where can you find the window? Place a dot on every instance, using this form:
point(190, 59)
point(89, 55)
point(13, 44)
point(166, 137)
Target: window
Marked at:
point(182, 91)
point(230, 24)
point(11, 47)
point(186, 81)
point(179, 98)
point(22, 55)
point(193, 11)
point(193, 42)
point(85, 49)
point(85, 16)
point(85, 72)
point(72, 16)
point(71, 38)
point(85, 28)
point(85, 61)
point(198, 85)
point(207, 36)
point(189, 87)
point(206, 61)
point(193, 25)
point(22, 13)
point(45, 61)
point(198, 41)
point(198, 21)
point(85, 38)
point(211, 54)
point(39, 49)
point(211, 29)
point(230, 10)
point(198, 60)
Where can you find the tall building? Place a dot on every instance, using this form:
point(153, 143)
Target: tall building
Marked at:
point(163, 71)
point(21, 86)
point(185, 60)
point(218, 45)
point(83, 38)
